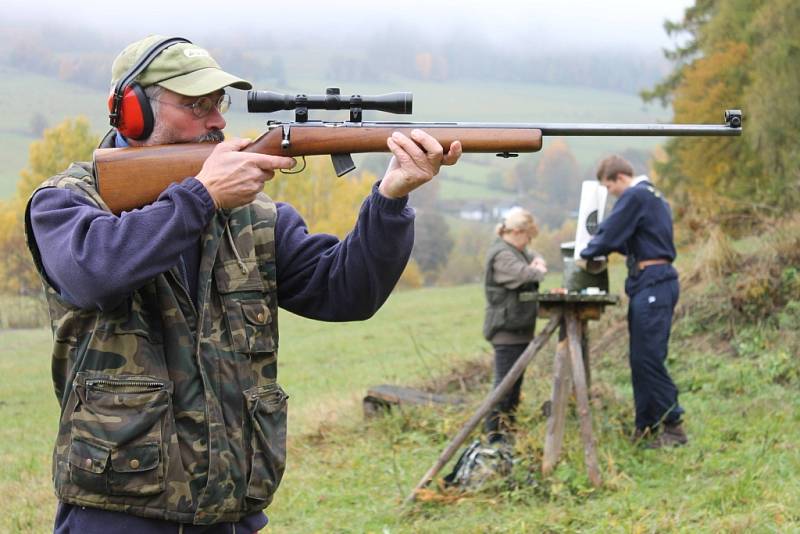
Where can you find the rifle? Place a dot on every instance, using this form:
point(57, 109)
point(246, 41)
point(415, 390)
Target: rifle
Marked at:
point(129, 178)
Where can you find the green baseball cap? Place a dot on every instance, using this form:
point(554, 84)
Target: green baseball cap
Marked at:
point(183, 68)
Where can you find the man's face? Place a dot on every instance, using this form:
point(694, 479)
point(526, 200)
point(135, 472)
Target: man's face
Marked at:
point(615, 187)
point(177, 122)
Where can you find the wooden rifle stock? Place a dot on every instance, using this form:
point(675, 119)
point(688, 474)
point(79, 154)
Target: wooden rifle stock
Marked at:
point(129, 178)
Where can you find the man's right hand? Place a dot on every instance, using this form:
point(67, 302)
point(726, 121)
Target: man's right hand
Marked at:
point(234, 178)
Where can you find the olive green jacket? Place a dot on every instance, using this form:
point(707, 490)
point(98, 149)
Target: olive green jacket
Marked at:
point(511, 304)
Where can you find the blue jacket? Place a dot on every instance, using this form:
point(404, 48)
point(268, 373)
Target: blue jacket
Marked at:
point(640, 227)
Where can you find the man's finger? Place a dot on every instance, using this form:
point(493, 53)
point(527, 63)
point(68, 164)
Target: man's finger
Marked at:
point(232, 145)
point(268, 163)
point(402, 157)
point(452, 155)
point(429, 144)
point(410, 147)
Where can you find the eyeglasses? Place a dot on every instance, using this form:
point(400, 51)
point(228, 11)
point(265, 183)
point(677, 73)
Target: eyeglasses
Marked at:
point(203, 105)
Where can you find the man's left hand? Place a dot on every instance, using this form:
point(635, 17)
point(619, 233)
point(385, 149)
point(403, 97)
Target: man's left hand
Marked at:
point(415, 161)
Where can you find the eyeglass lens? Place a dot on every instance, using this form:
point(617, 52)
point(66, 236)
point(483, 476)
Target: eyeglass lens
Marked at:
point(204, 105)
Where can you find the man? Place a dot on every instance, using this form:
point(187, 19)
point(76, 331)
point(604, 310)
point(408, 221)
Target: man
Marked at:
point(165, 317)
point(640, 226)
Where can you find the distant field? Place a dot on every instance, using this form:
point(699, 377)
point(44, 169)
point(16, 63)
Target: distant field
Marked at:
point(24, 95)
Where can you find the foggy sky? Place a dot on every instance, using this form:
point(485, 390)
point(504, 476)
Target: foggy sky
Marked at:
point(537, 24)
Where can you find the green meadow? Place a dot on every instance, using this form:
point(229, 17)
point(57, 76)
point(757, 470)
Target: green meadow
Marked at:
point(739, 382)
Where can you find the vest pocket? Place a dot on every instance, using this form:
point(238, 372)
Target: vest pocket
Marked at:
point(266, 407)
point(117, 428)
point(249, 324)
point(245, 301)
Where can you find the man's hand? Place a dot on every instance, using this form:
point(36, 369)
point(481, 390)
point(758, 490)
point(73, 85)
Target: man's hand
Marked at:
point(414, 162)
point(234, 178)
point(592, 266)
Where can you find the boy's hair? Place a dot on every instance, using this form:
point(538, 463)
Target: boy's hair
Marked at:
point(613, 165)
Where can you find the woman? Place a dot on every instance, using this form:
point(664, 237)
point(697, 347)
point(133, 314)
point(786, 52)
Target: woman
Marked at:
point(512, 279)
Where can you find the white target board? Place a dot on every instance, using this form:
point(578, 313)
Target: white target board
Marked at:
point(590, 213)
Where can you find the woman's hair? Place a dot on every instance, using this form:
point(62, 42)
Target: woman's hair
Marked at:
point(517, 219)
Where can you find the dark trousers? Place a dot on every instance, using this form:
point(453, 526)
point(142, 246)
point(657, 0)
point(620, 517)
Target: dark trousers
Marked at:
point(501, 419)
point(649, 322)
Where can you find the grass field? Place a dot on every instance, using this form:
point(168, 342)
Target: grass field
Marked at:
point(740, 472)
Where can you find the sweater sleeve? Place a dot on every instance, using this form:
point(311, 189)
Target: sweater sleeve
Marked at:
point(510, 272)
point(617, 229)
point(324, 278)
point(96, 259)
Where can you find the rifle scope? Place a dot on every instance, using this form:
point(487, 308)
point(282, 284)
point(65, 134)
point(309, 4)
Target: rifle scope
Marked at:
point(268, 102)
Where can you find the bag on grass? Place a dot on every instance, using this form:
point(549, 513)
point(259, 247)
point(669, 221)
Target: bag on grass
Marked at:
point(478, 464)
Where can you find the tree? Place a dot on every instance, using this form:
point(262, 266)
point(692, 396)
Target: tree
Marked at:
point(38, 124)
point(739, 54)
point(327, 203)
point(17, 273)
point(432, 244)
point(465, 263)
point(426, 197)
point(774, 108)
point(558, 173)
point(62, 144)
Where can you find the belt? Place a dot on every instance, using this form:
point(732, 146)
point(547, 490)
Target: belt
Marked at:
point(647, 263)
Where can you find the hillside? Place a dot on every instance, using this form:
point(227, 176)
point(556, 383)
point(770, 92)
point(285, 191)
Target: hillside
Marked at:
point(732, 354)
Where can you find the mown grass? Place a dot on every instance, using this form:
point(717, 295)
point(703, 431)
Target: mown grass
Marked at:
point(29, 411)
point(738, 379)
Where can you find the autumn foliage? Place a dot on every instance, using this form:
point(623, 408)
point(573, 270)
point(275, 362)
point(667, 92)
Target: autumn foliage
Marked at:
point(69, 141)
point(740, 55)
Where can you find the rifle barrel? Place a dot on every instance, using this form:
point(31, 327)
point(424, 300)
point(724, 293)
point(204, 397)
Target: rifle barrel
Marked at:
point(564, 129)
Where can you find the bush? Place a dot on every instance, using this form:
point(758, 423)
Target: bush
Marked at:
point(23, 312)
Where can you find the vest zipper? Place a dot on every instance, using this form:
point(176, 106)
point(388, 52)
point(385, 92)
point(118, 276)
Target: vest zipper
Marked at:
point(185, 291)
point(112, 385)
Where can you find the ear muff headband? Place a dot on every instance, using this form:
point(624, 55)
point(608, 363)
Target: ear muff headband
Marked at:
point(129, 109)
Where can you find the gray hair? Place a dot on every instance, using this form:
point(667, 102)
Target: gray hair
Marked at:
point(153, 93)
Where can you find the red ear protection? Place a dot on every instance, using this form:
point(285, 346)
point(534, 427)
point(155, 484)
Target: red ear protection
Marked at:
point(136, 119)
point(129, 109)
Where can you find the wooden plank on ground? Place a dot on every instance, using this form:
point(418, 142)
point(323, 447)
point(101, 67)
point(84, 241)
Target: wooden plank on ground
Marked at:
point(381, 398)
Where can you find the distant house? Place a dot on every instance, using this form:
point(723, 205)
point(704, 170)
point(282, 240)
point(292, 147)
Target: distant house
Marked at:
point(480, 211)
point(473, 212)
point(499, 211)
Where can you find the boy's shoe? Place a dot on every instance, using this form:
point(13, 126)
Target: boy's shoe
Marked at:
point(671, 435)
point(642, 435)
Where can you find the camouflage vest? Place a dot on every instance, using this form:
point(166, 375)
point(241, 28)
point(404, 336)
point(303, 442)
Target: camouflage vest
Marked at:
point(509, 310)
point(170, 407)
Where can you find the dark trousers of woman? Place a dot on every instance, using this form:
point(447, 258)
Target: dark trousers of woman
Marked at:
point(501, 419)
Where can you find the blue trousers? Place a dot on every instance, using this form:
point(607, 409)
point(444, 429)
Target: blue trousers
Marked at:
point(649, 321)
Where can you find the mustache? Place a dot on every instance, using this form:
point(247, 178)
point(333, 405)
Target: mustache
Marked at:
point(214, 136)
